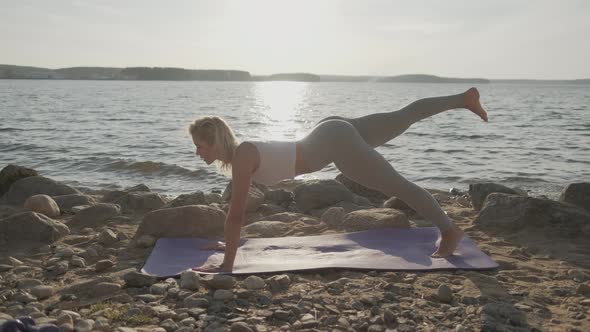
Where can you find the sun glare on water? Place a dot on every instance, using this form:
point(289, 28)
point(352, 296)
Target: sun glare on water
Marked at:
point(280, 106)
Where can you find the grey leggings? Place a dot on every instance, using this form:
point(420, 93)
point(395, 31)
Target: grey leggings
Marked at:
point(350, 143)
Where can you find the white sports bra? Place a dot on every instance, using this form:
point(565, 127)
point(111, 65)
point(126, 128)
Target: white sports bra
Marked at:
point(277, 161)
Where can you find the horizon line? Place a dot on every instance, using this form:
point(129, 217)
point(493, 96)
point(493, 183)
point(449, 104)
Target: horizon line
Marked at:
point(311, 73)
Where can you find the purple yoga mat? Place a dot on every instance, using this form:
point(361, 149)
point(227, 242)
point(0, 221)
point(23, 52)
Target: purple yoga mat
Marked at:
point(391, 249)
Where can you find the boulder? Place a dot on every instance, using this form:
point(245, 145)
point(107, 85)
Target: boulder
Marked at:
point(196, 198)
point(255, 196)
point(333, 216)
point(346, 205)
point(279, 196)
point(374, 218)
point(33, 185)
point(398, 204)
point(509, 213)
point(318, 194)
point(374, 196)
point(95, 215)
point(112, 196)
point(267, 228)
point(31, 226)
point(255, 199)
point(577, 194)
point(479, 191)
point(184, 221)
point(212, 198)
point(67, 202)
point(285, 217)
point(138, 279)
point(42, 204)
point(141, 201)
point(13, 173)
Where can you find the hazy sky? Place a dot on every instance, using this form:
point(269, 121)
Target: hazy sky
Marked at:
point(463, 38)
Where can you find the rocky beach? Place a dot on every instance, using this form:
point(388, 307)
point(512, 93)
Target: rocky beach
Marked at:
point(71, 257)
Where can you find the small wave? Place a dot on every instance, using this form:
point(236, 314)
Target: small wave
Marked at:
point(18, 146)
point(9, 129)
point(521, 179)
point(577, 129)
point(118, 119)
point(448, 179)
point(154, 168)
point(577, 161)
point(444, 151)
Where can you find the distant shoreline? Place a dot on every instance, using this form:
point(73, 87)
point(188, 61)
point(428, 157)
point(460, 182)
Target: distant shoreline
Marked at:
point(181, 74)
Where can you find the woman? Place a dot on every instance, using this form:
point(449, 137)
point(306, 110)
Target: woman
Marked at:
point(348, 143)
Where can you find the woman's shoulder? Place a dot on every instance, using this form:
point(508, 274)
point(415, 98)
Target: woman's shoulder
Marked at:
point(247, 146)
point(246, 156)
point(247, 150)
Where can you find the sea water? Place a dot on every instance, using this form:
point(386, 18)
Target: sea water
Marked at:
point(117, 134)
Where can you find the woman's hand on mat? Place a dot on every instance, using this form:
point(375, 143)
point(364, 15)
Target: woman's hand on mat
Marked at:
point(217, 245)
point(212, 267)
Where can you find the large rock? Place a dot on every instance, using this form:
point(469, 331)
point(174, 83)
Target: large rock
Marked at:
point(31, 226)
point(112, 196)
point(317, 194)
point(196, 198)
point(374, 218)
point(13, 173)
point(34, 185)
point(95, 216)
point(255, 199)
point(346, 205)
point(479, 191)
point(577, 194)
point(509, 213)
point(184, 221)
point(66, 202)
point(267, 228)
point(374, 196)
point(279, 196)
point(286, 217)
point(42, 204)
point(141, 201)
point(255, 196)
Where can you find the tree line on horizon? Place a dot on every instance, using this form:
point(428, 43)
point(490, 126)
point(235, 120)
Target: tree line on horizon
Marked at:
point(181, 74)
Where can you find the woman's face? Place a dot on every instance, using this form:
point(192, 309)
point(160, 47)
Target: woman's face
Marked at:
point(205, 151)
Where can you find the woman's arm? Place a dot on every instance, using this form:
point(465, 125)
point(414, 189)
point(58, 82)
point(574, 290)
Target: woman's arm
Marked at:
point(243, 165)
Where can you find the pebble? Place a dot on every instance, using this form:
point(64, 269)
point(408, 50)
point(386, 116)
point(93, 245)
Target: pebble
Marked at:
point(279, 283)
point(137, 279)
point(219, 281)
point(103, 265)
point(583, 289)
point(253, 282)
point(107, 237)
point(5, 267)
point(190, 280)
point(169, 325)
point(84, 325)
point(77, 261)
point(240, 327)
point(444, 293)
point(42, 292)
point(223, 295)
point(160, 288)
point(105, 288)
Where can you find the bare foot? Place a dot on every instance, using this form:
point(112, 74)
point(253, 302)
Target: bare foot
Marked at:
point(448, 243)
point(472, 103)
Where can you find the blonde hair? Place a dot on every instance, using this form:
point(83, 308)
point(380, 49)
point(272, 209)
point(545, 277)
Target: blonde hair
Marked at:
point(215, 131)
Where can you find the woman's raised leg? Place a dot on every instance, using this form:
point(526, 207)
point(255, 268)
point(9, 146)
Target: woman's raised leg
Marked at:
point(379, 128)
point(339, 142)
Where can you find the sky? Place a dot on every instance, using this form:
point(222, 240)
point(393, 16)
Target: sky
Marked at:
point(495, 39)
